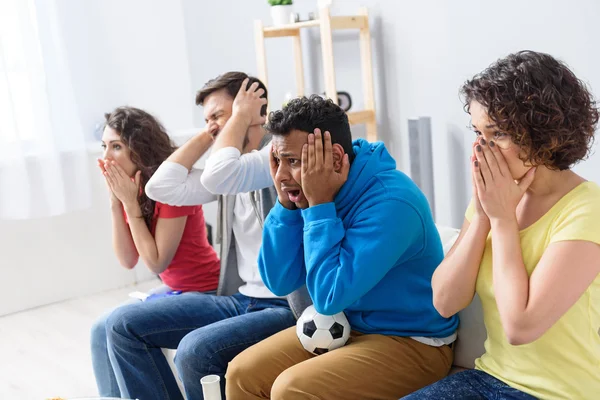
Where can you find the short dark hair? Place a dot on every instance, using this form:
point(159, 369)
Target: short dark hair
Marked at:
point(307, 114)
point(231, 82)
point(541, 104)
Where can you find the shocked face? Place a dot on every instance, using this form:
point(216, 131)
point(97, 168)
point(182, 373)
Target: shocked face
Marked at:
point(287, 150)
point(485, 128)
point(116, 150)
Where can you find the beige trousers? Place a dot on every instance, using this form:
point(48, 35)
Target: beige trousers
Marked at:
point(368, 367)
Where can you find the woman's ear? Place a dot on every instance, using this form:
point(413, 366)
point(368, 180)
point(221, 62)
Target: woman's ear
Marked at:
point(338, 155)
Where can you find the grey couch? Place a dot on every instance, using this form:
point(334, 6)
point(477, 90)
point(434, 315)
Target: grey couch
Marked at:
point(471, 331)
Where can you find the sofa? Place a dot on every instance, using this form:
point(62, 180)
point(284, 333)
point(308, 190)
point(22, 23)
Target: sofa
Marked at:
point(471, 331)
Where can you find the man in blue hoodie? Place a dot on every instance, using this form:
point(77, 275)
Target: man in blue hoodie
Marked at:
point(360, 235)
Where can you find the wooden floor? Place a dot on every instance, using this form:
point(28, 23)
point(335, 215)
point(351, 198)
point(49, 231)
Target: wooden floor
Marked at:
point(45, 353)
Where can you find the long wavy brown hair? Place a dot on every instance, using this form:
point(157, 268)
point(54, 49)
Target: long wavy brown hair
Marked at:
point(148, 143)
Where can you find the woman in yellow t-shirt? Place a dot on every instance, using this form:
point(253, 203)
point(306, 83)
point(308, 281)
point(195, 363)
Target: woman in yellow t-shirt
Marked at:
point(530, 242)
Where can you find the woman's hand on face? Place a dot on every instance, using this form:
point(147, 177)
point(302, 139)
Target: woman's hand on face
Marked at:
point(498, 193)
point(121, 185)
point(113, 199)
point(480, 214)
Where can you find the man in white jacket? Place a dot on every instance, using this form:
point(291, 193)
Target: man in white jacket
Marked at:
point(208, 331)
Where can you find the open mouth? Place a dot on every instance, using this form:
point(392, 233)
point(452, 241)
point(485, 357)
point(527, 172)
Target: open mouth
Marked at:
point(294, 195)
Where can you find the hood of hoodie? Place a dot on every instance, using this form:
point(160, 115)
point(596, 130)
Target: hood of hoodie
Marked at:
point(370, 159)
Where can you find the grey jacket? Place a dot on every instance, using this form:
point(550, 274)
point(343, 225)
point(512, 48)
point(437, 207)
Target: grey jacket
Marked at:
point(229, 280)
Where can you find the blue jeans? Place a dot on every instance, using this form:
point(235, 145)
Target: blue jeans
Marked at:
point(469, 385)
point(208, 332)
point(103, 371)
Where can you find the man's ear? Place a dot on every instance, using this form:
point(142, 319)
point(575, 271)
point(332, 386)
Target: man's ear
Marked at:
point(338, 155)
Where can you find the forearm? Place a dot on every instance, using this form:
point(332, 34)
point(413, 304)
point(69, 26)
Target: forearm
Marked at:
point(227, 171)
point(281, 257)
point(343, 263)
point(232, 134)
point(173, 184)
point(281, 278)
point(122, 241)
point(454, 280)
point(511, 282)
point(188, 154)
point(143, 239)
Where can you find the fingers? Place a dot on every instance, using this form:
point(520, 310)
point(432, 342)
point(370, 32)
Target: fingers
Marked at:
point(527, 180)
point(109, 179)
point(345, 167)
point(477, 178)
point(243, 87)
point(120, 172)
point(253, 88)
point(482, 164)
point(311, 151)
point(101, 165)
point(489, 158)
point(502, 164)
point(138, 178)
point(474, 175)
point(318, 148)
point(328, 150)
point(304, 159)
point(110, 171)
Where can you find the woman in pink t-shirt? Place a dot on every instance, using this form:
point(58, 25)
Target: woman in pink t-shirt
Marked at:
point(171, 241)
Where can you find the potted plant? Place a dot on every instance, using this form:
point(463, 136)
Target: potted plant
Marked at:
point(281, 10)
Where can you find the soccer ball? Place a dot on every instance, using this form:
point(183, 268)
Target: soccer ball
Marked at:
point(320, 333)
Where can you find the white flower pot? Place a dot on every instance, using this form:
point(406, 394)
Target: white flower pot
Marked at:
point(281, 14)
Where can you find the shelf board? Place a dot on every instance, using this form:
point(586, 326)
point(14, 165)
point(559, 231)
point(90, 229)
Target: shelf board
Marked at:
point(347, 22)
point(361, 117)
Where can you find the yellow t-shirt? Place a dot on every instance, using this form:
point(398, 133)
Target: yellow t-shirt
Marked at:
point(564, 363)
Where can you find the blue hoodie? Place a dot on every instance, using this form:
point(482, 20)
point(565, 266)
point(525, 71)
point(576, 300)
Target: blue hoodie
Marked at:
point(371, 253)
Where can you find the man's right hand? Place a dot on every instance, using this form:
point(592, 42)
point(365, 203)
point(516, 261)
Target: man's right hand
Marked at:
point(283, 197)
point(248, 103)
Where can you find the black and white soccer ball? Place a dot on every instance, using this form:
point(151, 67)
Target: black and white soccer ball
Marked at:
point(320, 333)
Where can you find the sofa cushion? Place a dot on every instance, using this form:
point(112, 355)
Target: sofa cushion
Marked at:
point(471, 335)
point(471, 330)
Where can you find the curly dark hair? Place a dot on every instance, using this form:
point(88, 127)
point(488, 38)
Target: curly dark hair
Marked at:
point(541, 104)
point(307, 114)
point(231, 82)
point(148, 143)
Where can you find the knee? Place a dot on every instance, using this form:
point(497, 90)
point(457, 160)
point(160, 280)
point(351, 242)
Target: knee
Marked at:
point(98, 332)
point(120, 323)
point(193, 355)
point(289, 385)
point(242, 370)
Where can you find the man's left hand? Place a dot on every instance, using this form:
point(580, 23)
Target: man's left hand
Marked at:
point(320, 181)
point(248, 103)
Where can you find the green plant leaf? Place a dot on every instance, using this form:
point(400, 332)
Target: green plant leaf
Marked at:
point(280, 2)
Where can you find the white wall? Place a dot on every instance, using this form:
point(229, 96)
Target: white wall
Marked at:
point(128, 52)
point(156, 54)
point(422, 52)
